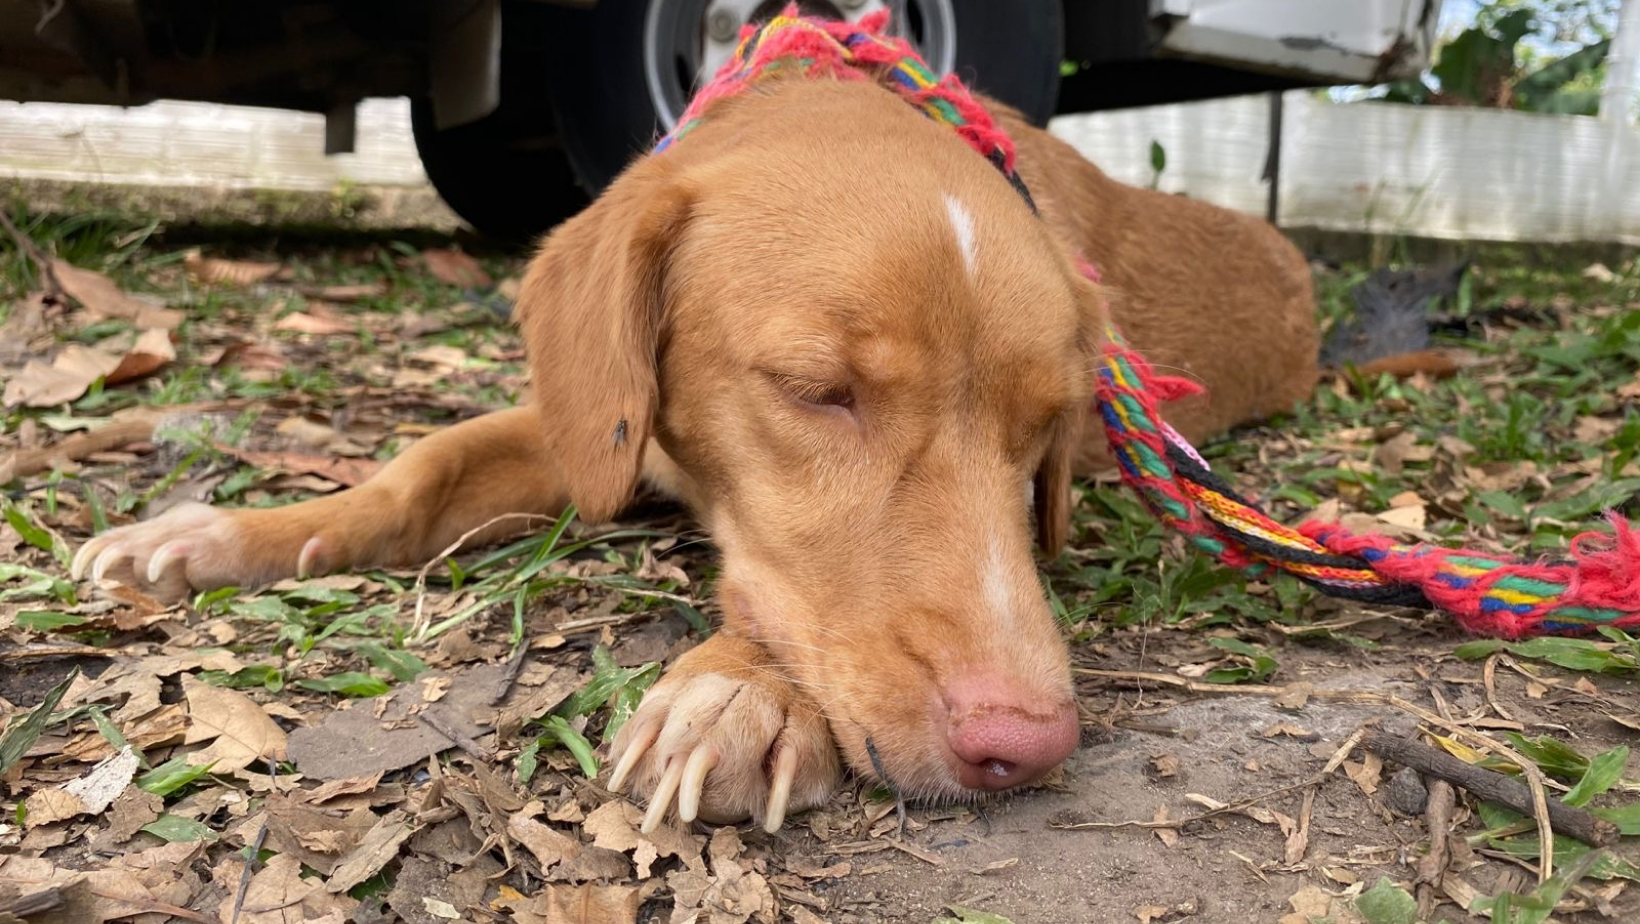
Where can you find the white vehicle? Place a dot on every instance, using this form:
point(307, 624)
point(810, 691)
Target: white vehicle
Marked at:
point(522, 107)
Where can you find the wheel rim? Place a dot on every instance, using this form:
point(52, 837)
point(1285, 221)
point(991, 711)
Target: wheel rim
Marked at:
point(686, 41)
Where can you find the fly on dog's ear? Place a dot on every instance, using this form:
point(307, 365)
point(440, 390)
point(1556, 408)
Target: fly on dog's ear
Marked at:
point(590, 310)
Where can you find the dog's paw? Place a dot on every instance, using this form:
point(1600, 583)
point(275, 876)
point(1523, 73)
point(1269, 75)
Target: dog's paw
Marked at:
point(723, 738)
point(194, 547)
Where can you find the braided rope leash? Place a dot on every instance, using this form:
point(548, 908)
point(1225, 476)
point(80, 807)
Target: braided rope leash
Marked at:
point(1599, 585)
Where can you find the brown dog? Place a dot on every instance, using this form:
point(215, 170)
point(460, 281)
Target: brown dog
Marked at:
point(844, 340)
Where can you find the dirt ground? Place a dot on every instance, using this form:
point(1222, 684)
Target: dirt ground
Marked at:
point(424, 730)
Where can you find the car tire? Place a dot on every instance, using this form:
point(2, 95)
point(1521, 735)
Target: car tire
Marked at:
point(611, 116)
point(507, 174)
point(506, 177)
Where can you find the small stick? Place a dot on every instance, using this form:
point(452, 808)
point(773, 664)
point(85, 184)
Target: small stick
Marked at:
point(47, 899)
point(454, 735)
point(1299, 844)
point(56, 651)
point(1432, 866)
point(25, 462)
point(254, 852)
point(419, 622)
point(1489, 680)
point(53, 284)
point(515, 666)
point(1489, 784)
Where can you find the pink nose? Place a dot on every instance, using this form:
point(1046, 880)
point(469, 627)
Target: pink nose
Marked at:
point(1004, 737)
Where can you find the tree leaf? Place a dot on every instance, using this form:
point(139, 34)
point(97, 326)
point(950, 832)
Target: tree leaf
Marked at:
point(1603, 773)
point(347, 683)
point(1387, 903)
point(174, 828)
point(21, 735)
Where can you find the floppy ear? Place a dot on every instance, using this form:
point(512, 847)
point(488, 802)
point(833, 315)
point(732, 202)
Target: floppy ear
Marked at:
point(1051, 488)
point(590, 311)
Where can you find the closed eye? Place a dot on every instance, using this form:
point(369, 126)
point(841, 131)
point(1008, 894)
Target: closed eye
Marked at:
point(814, 392)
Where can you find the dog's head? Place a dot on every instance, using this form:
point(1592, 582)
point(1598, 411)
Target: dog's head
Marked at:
point(870, 362)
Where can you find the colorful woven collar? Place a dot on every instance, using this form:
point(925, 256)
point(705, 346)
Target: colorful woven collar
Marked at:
point(1596, 589)
point(848, 51)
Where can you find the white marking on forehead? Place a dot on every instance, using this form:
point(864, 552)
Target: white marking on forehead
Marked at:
point(963, 224)
point(994, 584)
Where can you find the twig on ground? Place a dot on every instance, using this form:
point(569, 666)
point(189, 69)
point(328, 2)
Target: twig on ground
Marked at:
point(254, 852)
point(1489, 681)
point(1432, 866)
point(454, 735)
point(1299, 842)
point(43, 262)
point(56, 650)
point(418, 623)
point(1489, 784)
point(47, 899)
point(112, 435)
point(515, 665)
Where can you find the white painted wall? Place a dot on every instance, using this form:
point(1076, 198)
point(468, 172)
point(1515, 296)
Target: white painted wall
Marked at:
point(202, 144)
point(1431, 171)
point(1437, 172)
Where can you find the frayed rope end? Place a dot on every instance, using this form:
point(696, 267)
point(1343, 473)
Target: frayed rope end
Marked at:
point(1608, 567)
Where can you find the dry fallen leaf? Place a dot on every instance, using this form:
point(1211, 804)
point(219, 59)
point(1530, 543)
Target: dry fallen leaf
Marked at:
point(65, 378)
point(344, 471)
point(455, 267)
point(1309, 904)
point(592, 904)
point(306, 431)
point(1393, 454)
point(100, 296)
point(1288, 729)
point(344, 293)
point(1599, 272)
point(1407, 517)
point(378, 848)
point(1367, 773)
point(549, 845)
point(151, 352)
point(229, 272)
point(303, 323)
point(278, 894)
point(90, 794)
point(76, 367)
point(239, 731)
point(1168, 836)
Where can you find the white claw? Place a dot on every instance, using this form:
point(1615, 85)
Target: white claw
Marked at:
point(105, 560)
point(780, 789)
point(307, 558)
point(701, 762)
point(76, 570)
point(163, 557)
point(661, 799)
point(635, 750)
